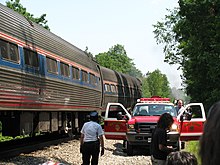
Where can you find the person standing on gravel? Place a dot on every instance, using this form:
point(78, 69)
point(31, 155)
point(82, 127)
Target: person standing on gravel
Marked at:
point(90, 140)
point(159, 149)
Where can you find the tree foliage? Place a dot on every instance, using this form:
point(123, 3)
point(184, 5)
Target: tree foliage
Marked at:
point(116, 59)
point(191, 38)
point(156, 84)
point(18, 7)
point(135, 72)
point(145, 88)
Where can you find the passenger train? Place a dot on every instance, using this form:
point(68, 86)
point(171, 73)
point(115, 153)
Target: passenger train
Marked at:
point(48, 84)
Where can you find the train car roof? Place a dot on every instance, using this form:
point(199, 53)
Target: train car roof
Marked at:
point(124, 79)
point(34, 35)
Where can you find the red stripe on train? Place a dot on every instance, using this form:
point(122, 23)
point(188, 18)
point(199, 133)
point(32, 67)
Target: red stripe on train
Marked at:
point(40, 105)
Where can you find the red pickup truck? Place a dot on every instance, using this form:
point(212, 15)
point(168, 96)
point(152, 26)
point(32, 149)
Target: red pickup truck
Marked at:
point(136, 127)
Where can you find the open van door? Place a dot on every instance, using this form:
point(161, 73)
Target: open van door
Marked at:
point(192, 128)
point(115, 122)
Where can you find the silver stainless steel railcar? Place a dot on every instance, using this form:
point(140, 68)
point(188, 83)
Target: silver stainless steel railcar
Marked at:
point(48, 84)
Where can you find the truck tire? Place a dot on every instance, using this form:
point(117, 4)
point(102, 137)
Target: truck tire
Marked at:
point(124, 146)
point(129, 149)
point(180, 145)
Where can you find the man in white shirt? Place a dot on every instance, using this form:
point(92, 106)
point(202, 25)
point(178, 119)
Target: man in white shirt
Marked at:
point(91, 138)
point(179, 106)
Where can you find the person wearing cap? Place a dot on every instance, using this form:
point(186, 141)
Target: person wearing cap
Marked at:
point(91, 139)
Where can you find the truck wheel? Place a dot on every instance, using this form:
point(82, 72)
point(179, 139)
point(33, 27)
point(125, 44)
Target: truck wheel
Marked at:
point(124, 146)
point(180, 145)
point(129, 149)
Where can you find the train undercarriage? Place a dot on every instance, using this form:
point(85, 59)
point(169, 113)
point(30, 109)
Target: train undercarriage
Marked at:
point(17, 123)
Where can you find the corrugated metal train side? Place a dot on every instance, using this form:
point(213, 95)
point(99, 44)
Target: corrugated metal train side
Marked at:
point(48, 84)
point(120, 88)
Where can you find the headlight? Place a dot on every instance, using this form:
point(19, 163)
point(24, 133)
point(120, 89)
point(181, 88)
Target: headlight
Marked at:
point(130, 126)
point(174, 127)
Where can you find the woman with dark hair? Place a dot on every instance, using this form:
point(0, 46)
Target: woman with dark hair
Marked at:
point(210, 140)
point(181, 158)
point(159, 149)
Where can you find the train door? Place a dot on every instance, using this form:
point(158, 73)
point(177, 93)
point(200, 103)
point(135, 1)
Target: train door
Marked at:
point(192, 129)
point(115, 125)
point(102, 87)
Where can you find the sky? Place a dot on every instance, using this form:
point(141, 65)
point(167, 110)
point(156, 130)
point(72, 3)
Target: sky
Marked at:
point(101, 24)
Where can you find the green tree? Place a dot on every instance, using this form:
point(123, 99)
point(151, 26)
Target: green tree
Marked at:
point(116, 59)
point(190, 35)
point(145, 88)
point(158, 84)
point(18, 7)
point(135, 72)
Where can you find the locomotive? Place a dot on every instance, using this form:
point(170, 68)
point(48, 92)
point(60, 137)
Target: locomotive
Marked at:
point(47, 84)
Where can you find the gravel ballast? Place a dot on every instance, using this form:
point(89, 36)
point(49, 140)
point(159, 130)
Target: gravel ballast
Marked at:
point(68, 154)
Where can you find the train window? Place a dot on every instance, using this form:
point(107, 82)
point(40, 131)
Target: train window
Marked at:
point(107, 88)
point(116, 89)
point(84, 76)
point(113, 88)
point(75, 73)
point(64, 68)
point(97, 79)
point(52, 65)
point(9, 51)
point(31, 58)
point(93, 79)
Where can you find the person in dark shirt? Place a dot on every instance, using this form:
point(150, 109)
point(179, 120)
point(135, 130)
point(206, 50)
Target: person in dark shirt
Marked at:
point(159, 149)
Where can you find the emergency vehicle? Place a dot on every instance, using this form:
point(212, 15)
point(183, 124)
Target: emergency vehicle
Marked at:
point(136, 127)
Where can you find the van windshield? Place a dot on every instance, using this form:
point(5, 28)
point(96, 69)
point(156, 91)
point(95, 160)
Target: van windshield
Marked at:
point(154, 110)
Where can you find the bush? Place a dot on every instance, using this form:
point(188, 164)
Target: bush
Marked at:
point(193, 147)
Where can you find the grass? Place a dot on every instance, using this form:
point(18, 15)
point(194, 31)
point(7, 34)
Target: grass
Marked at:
point(5, 138)
point(8, 138)
point(193, 147)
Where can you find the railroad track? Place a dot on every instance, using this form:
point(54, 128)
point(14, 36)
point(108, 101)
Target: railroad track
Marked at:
point(14, 148)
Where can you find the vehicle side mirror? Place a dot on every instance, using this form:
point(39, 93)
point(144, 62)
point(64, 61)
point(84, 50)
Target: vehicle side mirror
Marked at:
point(119, 116)
point(186, 116)
point(122, 117)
